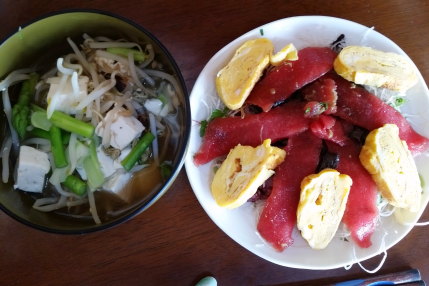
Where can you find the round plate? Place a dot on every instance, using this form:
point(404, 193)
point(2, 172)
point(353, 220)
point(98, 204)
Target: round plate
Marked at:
point(240, 224)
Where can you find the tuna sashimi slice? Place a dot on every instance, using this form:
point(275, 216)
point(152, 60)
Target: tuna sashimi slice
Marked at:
point(280, 82)
point(322, 92)
point(278, 217)
point(360, 107)
point(328, 128)
point(361, 212)
point(223, 134)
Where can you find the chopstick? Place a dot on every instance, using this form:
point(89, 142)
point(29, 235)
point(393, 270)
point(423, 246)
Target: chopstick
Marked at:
point(408, 277)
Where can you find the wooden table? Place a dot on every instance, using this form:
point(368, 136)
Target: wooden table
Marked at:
point(175, 242)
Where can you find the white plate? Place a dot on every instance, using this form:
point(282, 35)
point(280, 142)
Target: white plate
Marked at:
point(240, 223)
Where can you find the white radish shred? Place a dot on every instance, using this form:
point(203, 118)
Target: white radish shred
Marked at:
point(5, 159)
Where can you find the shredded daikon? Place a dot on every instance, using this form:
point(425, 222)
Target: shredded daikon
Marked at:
point(382, 249)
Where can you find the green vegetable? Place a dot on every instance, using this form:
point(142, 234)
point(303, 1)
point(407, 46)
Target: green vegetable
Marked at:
point(71, 124)
point(92, 168)
point(138, 56)
point(217, 113)
point(75, 185)
point(203, 127)
point(399, 101)
point(21, 110)
point(131, 159)
point(40, 133)
point(165, 169)
point(57, 147)
point(40, 120)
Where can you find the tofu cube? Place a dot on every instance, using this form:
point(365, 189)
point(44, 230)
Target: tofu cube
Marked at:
point(116, 184)
point(33, 165)
point(123, 130)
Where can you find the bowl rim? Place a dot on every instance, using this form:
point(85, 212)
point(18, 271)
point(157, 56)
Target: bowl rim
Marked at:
point(181, 151)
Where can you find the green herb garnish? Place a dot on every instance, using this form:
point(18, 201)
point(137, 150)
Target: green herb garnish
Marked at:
point(217, 113)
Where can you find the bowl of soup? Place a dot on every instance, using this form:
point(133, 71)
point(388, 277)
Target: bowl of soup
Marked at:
point(95, 125)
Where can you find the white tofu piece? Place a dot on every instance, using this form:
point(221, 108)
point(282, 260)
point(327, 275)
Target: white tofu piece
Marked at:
point(123, 130)
point(116, 184)
point(66, 100)
point(33, 165)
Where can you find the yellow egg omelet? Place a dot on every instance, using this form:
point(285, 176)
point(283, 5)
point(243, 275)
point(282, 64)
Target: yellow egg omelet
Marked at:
point(364, 65)
point(235, 81)
point(321, 207)
point(387, 158)
point(243, 171)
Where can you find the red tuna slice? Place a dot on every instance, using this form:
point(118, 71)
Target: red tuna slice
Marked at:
point(223, 134)
point(361, 212)
point(328, 128)
point(278, 217)
point(322, 92)
point(280, 82)
point(362, 108)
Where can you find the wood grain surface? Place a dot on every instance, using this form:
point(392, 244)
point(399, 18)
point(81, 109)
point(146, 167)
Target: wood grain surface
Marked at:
point(175, 242)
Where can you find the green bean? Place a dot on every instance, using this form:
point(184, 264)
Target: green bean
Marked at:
point(136, 152)
point(71, 124)
point(138, 55)
point(57, 147)
point(75, 184)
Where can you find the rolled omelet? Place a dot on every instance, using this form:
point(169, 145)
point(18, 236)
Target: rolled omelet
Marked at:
point(243, 171)
point(235, 81)
point(364, 65)
point(389, 161)
point(321, 206)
